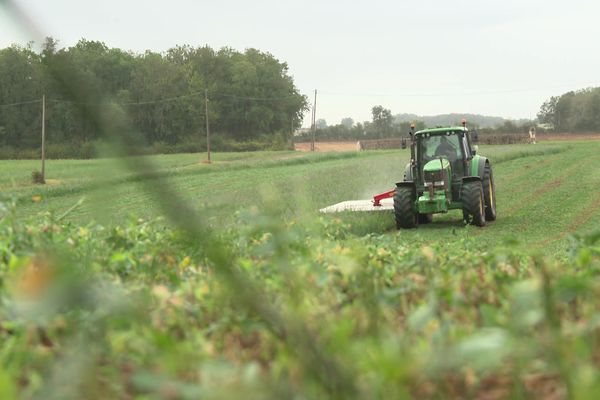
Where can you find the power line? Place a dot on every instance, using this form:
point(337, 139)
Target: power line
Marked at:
point(170, 99)
point(20, 103)
point(166, 100)
point(254, 98)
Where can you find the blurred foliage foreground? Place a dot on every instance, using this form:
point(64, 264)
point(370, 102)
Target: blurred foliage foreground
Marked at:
point(140, 311)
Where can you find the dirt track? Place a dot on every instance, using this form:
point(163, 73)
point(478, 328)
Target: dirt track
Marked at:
point(327, 146)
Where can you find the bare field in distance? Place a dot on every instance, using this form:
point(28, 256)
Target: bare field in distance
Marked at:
point(352, 145)
point(327, 146)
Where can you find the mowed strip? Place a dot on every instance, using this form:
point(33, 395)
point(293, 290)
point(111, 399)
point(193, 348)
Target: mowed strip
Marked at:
point(224, 189)
point(539, 193)
point(549, 202)
point(586, 218)
point(540, 199)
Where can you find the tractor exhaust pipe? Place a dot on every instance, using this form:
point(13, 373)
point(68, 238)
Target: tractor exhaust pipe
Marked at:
point(413, 162)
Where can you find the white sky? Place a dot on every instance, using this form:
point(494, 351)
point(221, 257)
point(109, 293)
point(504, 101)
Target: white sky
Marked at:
point(494, 57)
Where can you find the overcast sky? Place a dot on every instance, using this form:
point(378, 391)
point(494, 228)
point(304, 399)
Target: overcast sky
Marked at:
point(494, 57)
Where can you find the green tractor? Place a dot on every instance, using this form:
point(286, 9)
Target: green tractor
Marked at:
point(445, 173)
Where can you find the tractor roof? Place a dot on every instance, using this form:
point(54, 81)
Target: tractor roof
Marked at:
point(442, 130)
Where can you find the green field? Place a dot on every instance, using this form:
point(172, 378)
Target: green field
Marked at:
point(541, 191)
point(163, 278)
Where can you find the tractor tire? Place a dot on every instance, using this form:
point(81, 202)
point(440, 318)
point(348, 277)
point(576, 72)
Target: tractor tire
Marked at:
point(425, 218)
point(403, 208)
point(473, 203)
point(489, 193)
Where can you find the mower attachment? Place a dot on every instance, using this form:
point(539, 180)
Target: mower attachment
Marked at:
point(380, 202)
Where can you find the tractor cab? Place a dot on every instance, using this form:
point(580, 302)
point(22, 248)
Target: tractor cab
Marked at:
point(445, 144)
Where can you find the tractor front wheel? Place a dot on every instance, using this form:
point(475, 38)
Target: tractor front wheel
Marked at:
point(489, 194)
point(473, 202)
point(404, 200)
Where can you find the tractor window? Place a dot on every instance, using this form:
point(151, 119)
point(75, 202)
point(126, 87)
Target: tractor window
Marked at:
point(440, 146)
point(466, 147)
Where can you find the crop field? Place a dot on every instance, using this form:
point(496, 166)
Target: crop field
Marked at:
point(193, 280)
point(541, 194)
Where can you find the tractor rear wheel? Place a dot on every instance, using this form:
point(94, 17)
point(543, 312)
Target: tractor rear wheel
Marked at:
point(403, 208)
point(473, 202)
point(489, 193)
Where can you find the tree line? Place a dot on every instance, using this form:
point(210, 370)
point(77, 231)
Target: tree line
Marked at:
point(252, 95)
point(384, 124)
point(574, 111)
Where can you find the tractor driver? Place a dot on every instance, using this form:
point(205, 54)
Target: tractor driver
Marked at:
point(445, 149)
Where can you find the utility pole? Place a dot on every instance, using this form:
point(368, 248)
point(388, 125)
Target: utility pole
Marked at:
point(292, 132)
point(43, 138)
point(207, 127)
point(314, 123)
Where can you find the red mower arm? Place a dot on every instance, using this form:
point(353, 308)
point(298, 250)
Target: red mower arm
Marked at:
point(377, 198)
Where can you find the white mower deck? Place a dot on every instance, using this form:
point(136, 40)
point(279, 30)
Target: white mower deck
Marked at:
point(359, 205)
